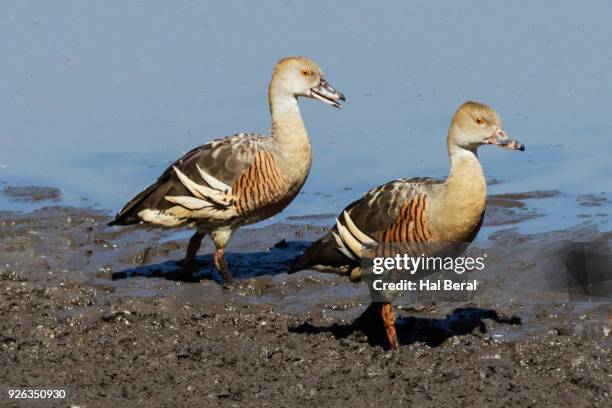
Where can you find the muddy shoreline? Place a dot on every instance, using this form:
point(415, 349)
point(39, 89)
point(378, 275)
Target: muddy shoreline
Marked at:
point(87, 308)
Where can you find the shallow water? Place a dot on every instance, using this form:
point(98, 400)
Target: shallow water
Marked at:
point(97, 100)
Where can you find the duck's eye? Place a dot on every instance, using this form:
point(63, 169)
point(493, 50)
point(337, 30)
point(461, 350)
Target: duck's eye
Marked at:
point(479, 120)
point(306, 72)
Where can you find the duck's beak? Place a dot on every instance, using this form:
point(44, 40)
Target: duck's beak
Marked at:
point(326, 93)
point(501, 138)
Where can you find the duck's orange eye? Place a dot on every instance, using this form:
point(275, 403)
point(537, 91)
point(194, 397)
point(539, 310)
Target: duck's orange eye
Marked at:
point(305, 72)
point(479, 120)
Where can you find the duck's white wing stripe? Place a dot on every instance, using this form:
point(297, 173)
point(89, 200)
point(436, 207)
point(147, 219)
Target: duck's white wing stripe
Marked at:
point(213, 182)
point(189, 202)
point(342, 248)
point(350, 238)
point(203, 192)
point(194, 188)
point(357, 233)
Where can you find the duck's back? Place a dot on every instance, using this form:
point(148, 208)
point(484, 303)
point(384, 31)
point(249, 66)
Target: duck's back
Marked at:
point(237, 163)
point(393, 212)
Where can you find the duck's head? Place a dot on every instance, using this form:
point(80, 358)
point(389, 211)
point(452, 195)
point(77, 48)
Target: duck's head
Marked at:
point(476, 124)
point(299, 76)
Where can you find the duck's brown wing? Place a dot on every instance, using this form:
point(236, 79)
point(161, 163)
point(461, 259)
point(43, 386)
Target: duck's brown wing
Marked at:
point(393, 212)
point(224, 159)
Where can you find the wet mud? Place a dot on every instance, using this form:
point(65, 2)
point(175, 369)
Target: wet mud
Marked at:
point(96, 311)
point(31, 193)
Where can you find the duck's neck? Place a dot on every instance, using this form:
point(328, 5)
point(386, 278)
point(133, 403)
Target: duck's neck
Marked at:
point(466, 177)
point(464, 194)
point(289, 134)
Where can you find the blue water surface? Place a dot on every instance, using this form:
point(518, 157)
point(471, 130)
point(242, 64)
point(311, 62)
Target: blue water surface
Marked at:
point(97, 98)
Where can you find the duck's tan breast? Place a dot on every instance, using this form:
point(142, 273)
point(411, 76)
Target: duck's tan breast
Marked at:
point(457, 218)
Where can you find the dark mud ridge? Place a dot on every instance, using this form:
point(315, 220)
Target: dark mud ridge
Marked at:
point(32, 193)
point(89, 309)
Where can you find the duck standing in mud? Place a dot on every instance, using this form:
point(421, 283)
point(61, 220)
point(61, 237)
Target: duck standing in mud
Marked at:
point(240, 179)
point(416, 210)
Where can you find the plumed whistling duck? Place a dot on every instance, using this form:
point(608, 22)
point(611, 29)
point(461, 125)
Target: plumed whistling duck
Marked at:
point(421, 210)
point(240, 179)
